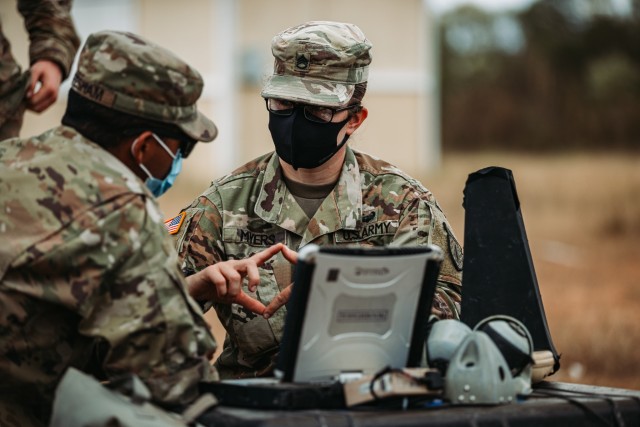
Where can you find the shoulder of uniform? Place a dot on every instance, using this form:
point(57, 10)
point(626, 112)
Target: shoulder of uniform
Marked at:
point(376, 166)
point(241, 178)
point(62, 156)
point(251, 169)
point(385, 170)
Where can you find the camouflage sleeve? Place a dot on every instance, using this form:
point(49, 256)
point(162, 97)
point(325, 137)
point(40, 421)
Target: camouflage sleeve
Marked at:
point(140, 312)
point(51, 31)
point(422, 223)
point(199, 241)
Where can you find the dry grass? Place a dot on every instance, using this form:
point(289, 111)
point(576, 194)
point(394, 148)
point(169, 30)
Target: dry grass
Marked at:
point(582, 216)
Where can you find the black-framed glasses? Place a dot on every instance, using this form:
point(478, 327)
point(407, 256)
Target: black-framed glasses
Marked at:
point(315, 113)
point(186, 147)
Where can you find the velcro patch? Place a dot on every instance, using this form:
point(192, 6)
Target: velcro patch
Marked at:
point(455, 250)
point(173, 224)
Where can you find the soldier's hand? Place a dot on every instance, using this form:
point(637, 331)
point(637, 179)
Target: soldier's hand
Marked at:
point(222, 282)
point(282, 298)
point(49, 76)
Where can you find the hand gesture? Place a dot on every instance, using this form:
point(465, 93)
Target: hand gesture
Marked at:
point(282, 298)
point(222, 282)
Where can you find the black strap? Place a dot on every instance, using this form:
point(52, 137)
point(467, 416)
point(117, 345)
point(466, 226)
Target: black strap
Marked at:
point(516, 358)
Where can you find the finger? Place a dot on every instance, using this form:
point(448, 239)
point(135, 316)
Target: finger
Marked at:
point(253, 276)
point(249, 303)
point(263, 256)
point(290, 255)
point(277, 302)
point(41, 100)
point(33, 81)
point(232, 277)
point(219, 281)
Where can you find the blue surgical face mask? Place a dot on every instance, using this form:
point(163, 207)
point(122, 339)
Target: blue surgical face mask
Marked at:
point(159, 186)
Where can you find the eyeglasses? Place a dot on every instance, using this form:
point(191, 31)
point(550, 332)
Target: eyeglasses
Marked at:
point(186, 147)
point(315, 113)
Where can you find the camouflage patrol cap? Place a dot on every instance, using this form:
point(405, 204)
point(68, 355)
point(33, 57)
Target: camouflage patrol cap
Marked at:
point(318, 62)
point(130, 74)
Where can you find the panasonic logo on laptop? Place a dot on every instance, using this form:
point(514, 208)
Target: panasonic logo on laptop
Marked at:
point(371, 271)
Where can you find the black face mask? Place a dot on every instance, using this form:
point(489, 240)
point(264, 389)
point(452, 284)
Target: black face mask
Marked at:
point(303, 143)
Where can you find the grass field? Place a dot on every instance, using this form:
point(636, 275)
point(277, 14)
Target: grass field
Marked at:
point(582, 216)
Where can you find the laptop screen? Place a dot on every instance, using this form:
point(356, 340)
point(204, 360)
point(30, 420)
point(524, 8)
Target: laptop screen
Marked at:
point(356, 310)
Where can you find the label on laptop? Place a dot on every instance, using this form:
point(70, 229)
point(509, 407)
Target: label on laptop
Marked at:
point(359, 315)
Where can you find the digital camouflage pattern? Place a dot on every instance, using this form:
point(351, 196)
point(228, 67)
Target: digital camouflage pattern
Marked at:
point(89, 278)
point(53, 37)
point(319, 63)
point(130, 74)
point(373, 204)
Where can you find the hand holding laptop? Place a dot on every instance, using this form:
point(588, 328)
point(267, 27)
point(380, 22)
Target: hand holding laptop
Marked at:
point(222, 282)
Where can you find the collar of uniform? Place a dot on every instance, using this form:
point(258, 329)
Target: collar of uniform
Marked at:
point(348, 192)
point(347, 197)
point(273, 193)
point(104, 165)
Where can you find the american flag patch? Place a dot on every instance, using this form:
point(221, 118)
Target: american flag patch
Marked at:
point(173, 224)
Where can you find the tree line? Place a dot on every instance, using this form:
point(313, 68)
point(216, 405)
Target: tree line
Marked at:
point(558, 75)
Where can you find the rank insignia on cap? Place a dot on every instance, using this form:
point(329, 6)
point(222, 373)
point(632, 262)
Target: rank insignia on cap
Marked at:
point(302, 61)
point(173, 224)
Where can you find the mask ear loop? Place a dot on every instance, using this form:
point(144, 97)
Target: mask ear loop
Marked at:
point(162, 144)
point(338, 147)
point(135, 141)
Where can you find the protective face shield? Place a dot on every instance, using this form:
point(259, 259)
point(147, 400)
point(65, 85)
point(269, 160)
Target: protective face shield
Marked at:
point(160, 186)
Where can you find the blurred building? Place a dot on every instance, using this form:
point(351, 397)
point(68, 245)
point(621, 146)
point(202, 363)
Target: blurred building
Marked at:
point(229, 42)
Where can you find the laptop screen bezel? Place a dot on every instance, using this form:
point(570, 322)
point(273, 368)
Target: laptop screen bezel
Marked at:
point(426, 259)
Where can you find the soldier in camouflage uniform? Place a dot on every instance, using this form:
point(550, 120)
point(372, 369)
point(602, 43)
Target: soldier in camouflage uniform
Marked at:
point(89, 277)
point(312, 189)
point(53, 45)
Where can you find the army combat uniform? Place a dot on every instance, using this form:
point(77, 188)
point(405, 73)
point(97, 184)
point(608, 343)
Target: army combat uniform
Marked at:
point(372, 204)
point(88, 278)
point(52, 37)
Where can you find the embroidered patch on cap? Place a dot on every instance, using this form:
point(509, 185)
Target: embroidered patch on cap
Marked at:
point(302, 61)
point(173, 224)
